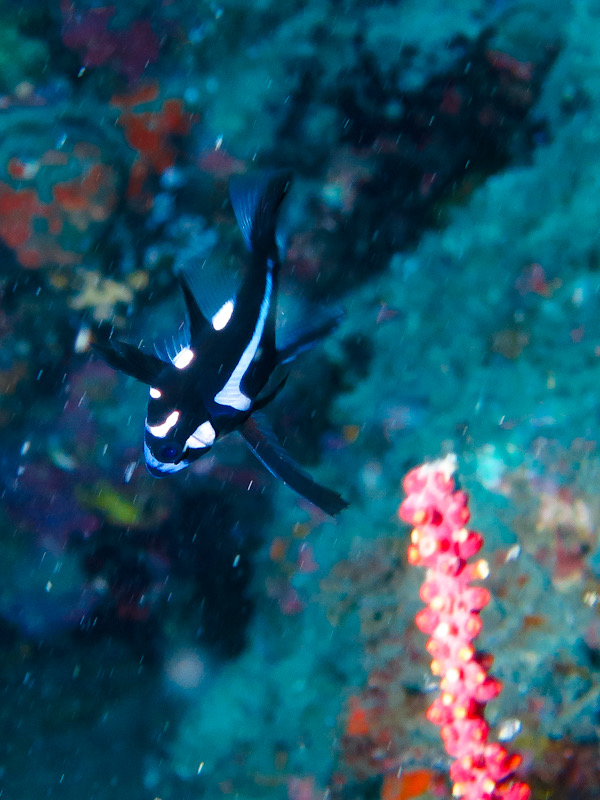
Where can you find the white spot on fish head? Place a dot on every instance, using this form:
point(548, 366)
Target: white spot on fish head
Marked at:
point(161, 430)
point(203, 437)
point(155, 394)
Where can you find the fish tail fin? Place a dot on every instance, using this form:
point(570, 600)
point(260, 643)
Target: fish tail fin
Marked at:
point(256, 199)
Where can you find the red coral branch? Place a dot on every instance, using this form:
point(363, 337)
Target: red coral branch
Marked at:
point(482, 770)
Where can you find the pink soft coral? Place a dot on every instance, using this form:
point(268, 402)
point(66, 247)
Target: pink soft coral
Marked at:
point(482, 770)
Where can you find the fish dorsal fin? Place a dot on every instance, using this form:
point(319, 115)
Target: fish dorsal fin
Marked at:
point(256, 199)
point(207, 288)
point(129, 359)
point(197, 320)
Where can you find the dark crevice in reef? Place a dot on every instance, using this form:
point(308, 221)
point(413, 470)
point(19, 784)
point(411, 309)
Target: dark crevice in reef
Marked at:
point(422, 149)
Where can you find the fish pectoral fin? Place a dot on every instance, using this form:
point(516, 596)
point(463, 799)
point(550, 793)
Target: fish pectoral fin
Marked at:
point(294, 338)
point(269, 452)
point(129, 359)
point(256, 199)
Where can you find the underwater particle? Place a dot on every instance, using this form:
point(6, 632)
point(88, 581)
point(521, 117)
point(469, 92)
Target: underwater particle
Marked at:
point(129, 470)
point(82, 340)
point(508, 729)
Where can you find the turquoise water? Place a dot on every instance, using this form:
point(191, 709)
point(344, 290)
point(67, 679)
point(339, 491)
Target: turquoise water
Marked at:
point(214, 634)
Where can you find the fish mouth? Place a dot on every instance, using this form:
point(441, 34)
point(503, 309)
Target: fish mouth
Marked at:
point(158, 469)
point(191, 454)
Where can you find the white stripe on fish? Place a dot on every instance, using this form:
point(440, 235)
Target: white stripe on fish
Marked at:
point(231, 394)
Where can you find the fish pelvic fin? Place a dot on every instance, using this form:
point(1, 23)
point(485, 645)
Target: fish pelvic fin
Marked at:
point(256, 199)
point(269, 452)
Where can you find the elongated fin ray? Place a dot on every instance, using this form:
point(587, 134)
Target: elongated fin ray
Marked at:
point(269, 452)
point(256, 199)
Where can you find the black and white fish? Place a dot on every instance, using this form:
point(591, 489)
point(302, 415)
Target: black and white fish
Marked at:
point(221, 371)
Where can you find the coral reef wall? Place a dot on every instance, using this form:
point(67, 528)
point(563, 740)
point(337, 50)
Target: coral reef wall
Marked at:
point(212, 634)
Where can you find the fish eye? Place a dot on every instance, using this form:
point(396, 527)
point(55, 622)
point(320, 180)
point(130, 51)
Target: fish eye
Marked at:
point(169, 452)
